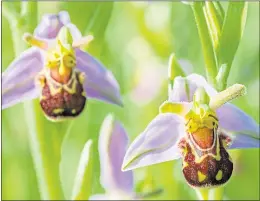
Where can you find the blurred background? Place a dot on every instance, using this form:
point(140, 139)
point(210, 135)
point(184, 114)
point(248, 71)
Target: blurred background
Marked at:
point(134, 40)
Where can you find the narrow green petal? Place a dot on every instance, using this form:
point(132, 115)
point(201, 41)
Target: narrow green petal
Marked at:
point(82, 185)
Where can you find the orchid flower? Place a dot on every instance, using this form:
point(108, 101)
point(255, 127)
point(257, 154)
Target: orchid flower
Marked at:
point(113, 141)
point(199, 131)
point(57, 71)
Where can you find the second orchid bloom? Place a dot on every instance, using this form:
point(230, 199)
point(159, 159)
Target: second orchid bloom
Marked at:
point(197, 125)
point(57, 71)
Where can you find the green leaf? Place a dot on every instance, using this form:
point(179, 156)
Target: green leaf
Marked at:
point(215, 22)
point(86, 10)
point(29, 9)
point(11, 10)
point(232, 32)
point(83, 180)
point(97, 26)
point(205, 38)
point(220, 11)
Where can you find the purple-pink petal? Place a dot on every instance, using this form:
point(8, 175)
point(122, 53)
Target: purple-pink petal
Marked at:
point(113, 141)
point(75, 32)
point(100, 83)
point(18, 80)
point(64, 17)
point(158, 143)
point(50, 25)
point(241, 141)
point(233, 119)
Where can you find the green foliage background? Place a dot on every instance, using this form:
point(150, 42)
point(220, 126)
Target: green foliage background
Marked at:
point(134, 40)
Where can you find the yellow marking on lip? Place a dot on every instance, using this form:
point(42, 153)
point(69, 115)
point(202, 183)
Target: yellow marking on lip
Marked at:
point(82, 78)
point(184, 164)
point(73, 111)
point(43, 97)
point(54, 90)
point(84, 93)
point(200, 159)
point(54, 86)
point(58, 111)
point(71, 90)
point(219, 175)
point(73, 81)
point(201, 176)
point(218, 157)
point(184, 150)
point(229, 158)
point(42, 80)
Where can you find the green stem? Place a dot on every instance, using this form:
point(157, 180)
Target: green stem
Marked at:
point(45, 146)
point(207, 47)
point(45, 141)
point(202, 193)
point(216, 193)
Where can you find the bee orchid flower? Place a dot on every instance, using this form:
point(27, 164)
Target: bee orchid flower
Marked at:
point(198, 130)
point(57, 71)
point(118, 185)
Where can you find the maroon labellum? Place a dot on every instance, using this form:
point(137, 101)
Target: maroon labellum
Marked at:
point(61, 101)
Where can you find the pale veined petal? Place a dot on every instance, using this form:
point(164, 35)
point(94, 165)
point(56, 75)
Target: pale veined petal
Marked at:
point(75, 32)
point(233, 119)
point(64, 17)
point(51, 24)
point(241, 141)
point(185, 87)
point(49, 27)
point(158, 143)
point(113, 142)
point(100, 83)
point(18, 81)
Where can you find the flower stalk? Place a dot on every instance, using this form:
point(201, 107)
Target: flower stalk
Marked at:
point(202, 193)
point(45, 147)
point(216, 193)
